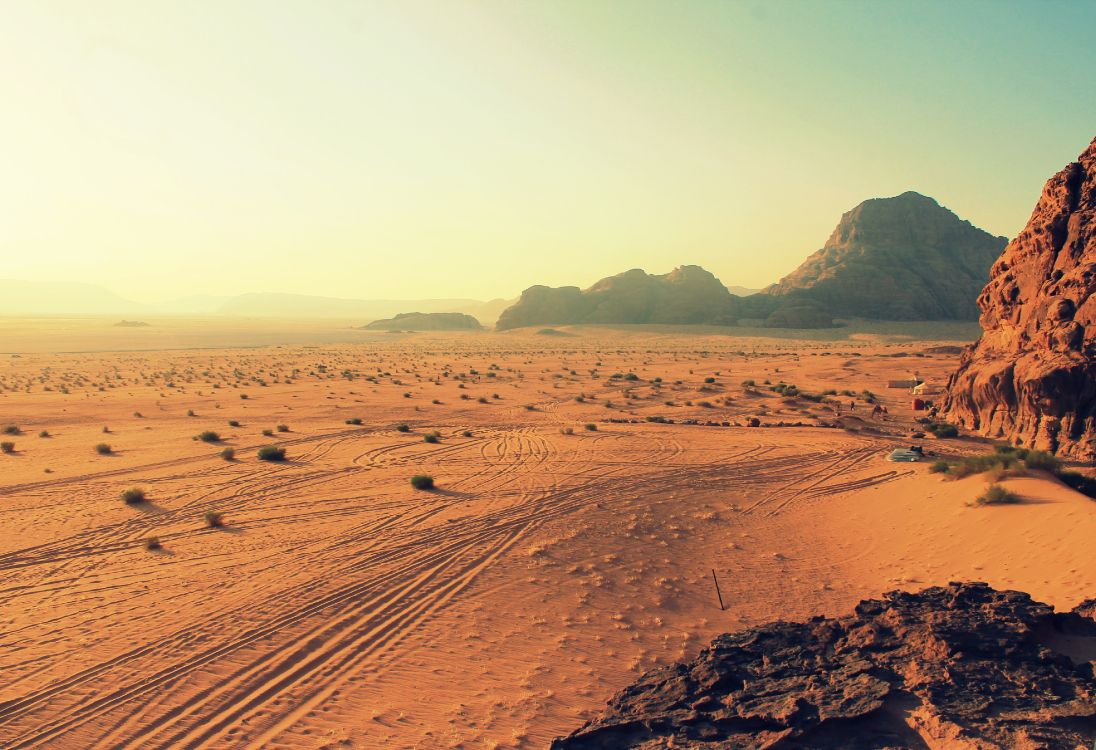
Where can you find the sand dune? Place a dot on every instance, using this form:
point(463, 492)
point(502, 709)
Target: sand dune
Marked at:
point(340, 607)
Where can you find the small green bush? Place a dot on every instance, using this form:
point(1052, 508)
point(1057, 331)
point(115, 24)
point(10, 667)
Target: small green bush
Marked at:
point(229, 454)
point(590, 426)
point(209, 436)
point(567, 430)
point(44, 434)
point(283, 428)
point(268, 432)
point(939, 467)
point(1041, 460)
point(133, 496)
point(422, 482)
point(403, 427)
point(233, 423)
point(943, 429)
point(153, 543)
point(431, 437)
point(103, 449)
point(7, 446)
point(12, 429)
point(467, 433)
point(354, 420)
point(271, 453)
point(214, 519)
point(995, 494)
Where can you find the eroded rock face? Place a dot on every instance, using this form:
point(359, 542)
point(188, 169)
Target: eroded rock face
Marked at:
point(958, 667)
point(1031, 378)
point(900, 258)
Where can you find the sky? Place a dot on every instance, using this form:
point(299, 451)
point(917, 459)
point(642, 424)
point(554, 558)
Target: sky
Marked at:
point(471, 149)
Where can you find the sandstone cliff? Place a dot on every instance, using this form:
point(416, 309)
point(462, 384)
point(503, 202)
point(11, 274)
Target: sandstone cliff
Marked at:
point(958, 667)
point(1031, 378)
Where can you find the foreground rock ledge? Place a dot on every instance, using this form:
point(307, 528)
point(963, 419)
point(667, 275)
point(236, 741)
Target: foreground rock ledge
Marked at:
point(958, 667)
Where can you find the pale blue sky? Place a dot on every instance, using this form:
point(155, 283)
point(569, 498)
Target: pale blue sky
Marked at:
point(429, 149)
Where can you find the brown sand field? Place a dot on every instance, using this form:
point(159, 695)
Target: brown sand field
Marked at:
point(339, 607)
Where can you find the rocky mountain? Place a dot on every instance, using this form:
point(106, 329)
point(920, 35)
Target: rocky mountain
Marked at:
point(961, 666)
point(900, 258)
point(417, 321)
point(1031, 378)
point(688, 294)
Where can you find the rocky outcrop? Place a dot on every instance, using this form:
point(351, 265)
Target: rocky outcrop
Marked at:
point(416, 321)
point(688, 294)
point(957, 667)
point(1031, 378)
point(901, 258)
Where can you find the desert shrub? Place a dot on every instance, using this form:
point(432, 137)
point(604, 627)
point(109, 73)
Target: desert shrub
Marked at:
point(271, 453)
point(190, 412)
point(214, 519)
point(403, 427)
point(530, 407)
point(422, 482)
point(44, 434)
point(233, 423)
point(12, 429)
point(709, 380)
point(209, 436)
point(482, 400)
point(103, 449)
point(7, 446)
point(939, 467)
point(590, 426)
point(283, 428)
point(138, 415)
point(153, 543)
point(228, 454)
point(268, 432)
point(1042, 460)
point(354, 420)
point(431, 437)
point(467, 433)
point(995, 494)
point(943, 429)
point(133, 496)
point(567, 430)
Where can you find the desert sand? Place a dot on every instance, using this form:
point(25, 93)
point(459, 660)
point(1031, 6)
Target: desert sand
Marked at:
point(339, 607)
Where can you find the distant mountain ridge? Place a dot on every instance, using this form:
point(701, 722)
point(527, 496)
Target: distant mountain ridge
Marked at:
point(688, 294)
point(900, 258)
point(18, 297)
point(417, 321)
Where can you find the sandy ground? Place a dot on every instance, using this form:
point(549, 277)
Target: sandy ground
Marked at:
point(341, 608)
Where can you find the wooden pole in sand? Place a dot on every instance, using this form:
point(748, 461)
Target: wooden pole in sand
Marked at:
point(716, 582)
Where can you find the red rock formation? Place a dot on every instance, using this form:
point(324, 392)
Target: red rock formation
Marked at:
point(1031, 378)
